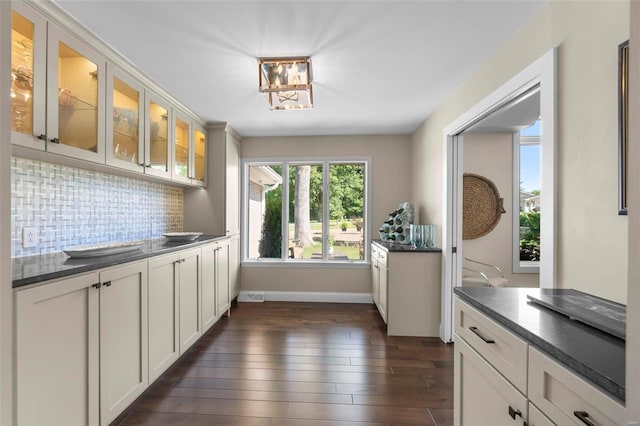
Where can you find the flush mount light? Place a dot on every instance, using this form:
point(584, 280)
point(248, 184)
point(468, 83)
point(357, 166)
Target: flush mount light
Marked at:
point(286, 82)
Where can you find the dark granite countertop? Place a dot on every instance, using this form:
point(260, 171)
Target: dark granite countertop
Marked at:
point(34, 269)
point(405, 248)
point(592, 354)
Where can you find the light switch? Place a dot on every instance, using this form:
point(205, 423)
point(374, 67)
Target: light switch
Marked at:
point(29, 237)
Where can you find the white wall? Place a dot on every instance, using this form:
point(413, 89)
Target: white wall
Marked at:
point(633, 300)
point(591, 251)
point(491, 155)
point(390, 185)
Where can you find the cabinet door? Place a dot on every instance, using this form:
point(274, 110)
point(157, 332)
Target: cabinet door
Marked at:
point(375, 280)
point(482, 397)
point(181, 170)
point(209, 312)
point(157, 155)
point(384, 291)
point(57, 353)
point(232, 188)
point(125, 124)
point(199, 160)
point(189, 286)
point(234, 266)
point(75, 97)
point(222, 277)
point(124, 358)
point(163, 314)
point(536, 418)
point(28, 77)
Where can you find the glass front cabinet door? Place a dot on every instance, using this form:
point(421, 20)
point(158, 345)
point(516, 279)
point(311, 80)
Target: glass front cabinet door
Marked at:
point(28, 77)
point(199, 174)
point(75, 98)
point(181, 148)
point(157, 142)
point(125, 124)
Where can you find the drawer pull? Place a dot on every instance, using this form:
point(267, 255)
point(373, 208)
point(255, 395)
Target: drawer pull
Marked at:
point(513, 413)
point(475, 331)
point(584, 417)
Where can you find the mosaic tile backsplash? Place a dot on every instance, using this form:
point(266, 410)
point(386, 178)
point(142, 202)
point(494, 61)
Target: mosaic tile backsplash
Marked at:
point(74, 207)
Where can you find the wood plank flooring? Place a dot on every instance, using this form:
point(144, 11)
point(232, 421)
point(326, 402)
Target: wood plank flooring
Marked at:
point(307, 364)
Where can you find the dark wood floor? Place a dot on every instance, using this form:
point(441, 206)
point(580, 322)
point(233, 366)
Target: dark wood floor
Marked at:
point(304, 364)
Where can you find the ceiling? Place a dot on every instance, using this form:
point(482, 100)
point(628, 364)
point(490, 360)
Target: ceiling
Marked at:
point(379, 67)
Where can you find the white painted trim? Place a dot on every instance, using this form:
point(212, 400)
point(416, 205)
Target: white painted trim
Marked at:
point(542, 71)
point(316, 296)
point(6, 297)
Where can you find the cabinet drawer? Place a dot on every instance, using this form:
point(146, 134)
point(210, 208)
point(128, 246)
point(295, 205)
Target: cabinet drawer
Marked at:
point(374, 251)
point(506, 352)
point(382, 258)
point(562, 395)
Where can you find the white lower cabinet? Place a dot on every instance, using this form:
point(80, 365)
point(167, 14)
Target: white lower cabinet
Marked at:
point(208, 306)
point(56, 349)
point(188, 272)
point(124, 372)
point(164, 348)
point(482, 396)
point(223, 291)
point(234, 266)
point(87, 346)
point(499, 379)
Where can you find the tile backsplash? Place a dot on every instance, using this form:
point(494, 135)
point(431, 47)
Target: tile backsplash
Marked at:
point(74, 207)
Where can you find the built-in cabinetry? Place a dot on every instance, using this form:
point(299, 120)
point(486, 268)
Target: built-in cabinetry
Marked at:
point(70, 100)
point(101, 338)
point(406, 290)
point(499, 379)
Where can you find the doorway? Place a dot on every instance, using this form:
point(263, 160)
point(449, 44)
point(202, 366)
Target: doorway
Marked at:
point(537, 79)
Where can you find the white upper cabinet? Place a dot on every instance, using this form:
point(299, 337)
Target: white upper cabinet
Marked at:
point(125, 121)
point(73, 96)
point(28, 77)
point(157, 155)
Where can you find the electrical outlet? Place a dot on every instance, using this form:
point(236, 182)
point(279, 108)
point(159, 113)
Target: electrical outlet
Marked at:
point(29, 237)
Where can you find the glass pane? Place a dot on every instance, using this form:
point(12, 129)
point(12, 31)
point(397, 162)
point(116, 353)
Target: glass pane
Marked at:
point(21, 74)
point(126, 104)
point(77, 100)
point(530, 193)
point(305, 211)
point(181, 163)
point(265, 212)
point(200, 147)
point(158, 137)
point(346, 211)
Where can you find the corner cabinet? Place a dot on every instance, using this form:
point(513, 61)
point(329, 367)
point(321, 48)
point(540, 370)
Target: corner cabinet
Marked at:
point(499, 379)
point(78, 101)
point(405, 286)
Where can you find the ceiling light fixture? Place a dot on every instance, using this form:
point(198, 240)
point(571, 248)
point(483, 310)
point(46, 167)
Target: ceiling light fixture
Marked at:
point(286, 82)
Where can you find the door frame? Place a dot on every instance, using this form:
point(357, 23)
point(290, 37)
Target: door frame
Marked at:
point(541, 72)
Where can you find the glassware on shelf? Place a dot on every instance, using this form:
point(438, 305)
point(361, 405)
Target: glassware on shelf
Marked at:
point(22, 33)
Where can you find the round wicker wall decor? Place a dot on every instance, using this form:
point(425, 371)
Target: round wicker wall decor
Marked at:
point(481, 206)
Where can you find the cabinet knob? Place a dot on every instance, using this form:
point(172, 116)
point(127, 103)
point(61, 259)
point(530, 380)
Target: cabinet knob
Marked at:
point(54, 140)
point(97, 285)
point(141, 164)
point(42, 137)
point(584, 417)
point(107, 284)
point(148, 166)
point(513, 412)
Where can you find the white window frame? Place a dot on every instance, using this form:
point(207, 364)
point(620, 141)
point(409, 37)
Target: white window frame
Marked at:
point(520, 267)
point(294, 161)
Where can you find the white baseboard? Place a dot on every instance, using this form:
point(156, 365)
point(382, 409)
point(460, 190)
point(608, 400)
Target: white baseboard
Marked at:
point(304, 296)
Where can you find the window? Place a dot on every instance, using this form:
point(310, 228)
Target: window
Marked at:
point(526, 253)
point(305, 211)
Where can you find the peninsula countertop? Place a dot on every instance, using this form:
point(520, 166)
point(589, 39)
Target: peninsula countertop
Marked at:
point(592, 354)
point(405, 248)
point(34, 269)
